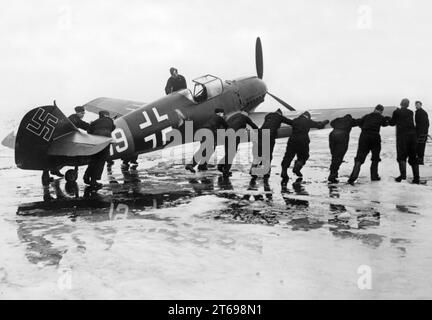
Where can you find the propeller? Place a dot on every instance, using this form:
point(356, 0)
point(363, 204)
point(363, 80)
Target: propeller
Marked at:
point(259, 58)
point(286, 105)
point(260, 70)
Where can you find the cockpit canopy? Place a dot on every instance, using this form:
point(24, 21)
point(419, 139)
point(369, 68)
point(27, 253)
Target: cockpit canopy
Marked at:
point(205, 88)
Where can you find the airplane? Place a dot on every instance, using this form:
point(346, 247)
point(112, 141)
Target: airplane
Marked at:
point(47, 140)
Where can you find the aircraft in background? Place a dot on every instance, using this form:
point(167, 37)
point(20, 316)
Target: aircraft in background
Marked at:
point(47, 140)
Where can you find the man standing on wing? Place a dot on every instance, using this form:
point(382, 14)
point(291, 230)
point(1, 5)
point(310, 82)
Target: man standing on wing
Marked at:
point(176, 82)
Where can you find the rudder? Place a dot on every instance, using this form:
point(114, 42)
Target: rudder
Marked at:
point(37, 130)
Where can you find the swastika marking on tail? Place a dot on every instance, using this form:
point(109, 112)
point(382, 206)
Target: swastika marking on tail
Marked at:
point(42, 124)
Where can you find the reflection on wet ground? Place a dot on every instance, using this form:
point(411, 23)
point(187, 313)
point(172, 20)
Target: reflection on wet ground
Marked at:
point(134, 193)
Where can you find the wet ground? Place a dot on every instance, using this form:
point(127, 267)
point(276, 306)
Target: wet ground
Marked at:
point(160, 232)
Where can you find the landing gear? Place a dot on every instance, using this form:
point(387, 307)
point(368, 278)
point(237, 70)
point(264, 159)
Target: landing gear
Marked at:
point(71, 175)
point(46, 179)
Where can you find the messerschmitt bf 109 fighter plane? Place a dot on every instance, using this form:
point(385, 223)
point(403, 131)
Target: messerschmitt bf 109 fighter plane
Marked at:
point(47, 140)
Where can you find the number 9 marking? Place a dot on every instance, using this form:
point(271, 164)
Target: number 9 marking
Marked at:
point(120, 140)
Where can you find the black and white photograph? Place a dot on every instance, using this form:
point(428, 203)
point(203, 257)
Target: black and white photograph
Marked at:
point(215, 150)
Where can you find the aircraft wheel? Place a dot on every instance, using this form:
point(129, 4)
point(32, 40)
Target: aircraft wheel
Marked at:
point(71, 175)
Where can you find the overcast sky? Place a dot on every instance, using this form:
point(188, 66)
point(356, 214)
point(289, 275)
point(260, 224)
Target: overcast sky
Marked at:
point(317, 54)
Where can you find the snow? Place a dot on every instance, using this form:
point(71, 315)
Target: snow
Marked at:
point(219, 240)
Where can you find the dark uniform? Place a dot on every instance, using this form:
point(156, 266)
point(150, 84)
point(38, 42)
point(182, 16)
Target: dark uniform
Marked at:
point(101, 127)
point(175, 84)
point(272, 122)
point(236, 122)
point(422, 130)
point(75, 119)
point(338, 141)
point(406, 141)
point(298, 144)
point(369, 141)
point(214, 123)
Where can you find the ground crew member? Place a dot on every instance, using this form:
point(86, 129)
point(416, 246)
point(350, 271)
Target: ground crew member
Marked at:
point(132, 160)
point(298, 144)
point(338, 141)
point(215, 122)
point(76, 118)
point(176, 82)
point(272, 122)
point(406, 140)
point(370, 140)
point(422, 129)
point(101, 127)
point(236, 122)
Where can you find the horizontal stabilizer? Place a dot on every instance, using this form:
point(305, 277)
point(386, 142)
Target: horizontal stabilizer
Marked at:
point(116, 107)
point(9, 140)
point(77, 143)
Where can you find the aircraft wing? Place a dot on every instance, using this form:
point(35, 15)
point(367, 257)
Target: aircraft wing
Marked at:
point(77, 143)
point(318, 115)
point(116, 107)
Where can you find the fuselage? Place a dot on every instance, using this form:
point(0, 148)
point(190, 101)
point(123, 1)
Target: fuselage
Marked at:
point(145, 129)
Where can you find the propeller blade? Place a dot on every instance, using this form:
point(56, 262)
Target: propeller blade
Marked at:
point(259, 58)
point(286, 105)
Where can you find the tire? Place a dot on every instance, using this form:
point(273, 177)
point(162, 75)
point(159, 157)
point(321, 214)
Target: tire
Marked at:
point(71, 175)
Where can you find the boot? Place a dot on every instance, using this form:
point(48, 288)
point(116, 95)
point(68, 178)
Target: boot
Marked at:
point(202, 167)
point(402, 169)
point(374, 171)
point(190, 167)
point(297, 167)
point(355, 173)
point(252, 182)
point(86, 179)
point(333, 177)
point(416, 175)
point(94, 183)
point(267, 175)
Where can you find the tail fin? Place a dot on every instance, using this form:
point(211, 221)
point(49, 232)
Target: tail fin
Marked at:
point(37, 130)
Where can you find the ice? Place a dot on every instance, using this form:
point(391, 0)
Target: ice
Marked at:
point(169, 234)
